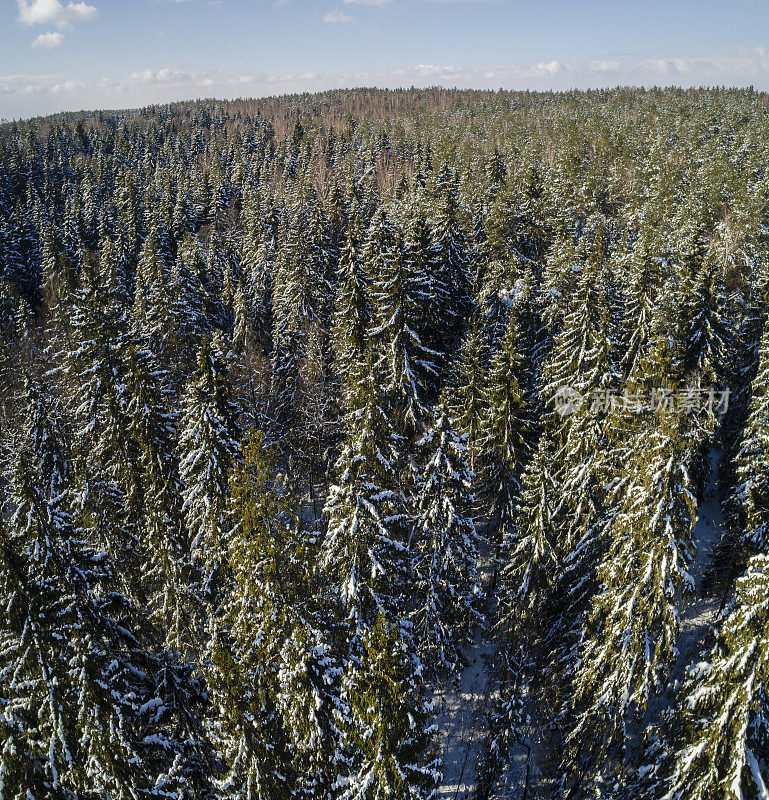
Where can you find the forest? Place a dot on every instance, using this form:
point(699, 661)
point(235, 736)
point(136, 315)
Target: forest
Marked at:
point(387, 445)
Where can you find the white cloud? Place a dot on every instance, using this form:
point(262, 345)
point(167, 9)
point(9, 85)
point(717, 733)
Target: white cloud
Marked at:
point(25, 95)
point(338, 17)
point(378, 3)
point(53, 12)
point(50, 39)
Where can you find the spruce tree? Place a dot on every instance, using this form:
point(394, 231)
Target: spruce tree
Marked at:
point(700, 334)
point(364, 551)
point(452, 276)
point(717, 739)
point(444, 546)
point(72, 675)
point(532, 541)
point(399, 293)
point(352, 312)
point(466, 395)
point(207, 448)
point(503, 425)
point(752, 459)
point(166, 568)
point(386, 732)
point(631, 631)
point(264, 570)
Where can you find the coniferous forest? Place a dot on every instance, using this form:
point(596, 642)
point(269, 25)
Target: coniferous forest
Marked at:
point(387, 444)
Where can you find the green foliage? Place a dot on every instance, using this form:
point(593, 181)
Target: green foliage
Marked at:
point(386, 730)
point(326, 267)
point(719, 732)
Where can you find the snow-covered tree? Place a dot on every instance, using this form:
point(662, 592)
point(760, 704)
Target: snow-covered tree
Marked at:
point(166, 569)
point(532, 540)
point(352, 312)
point(444, 546)
point(503, 425)
point(451, 269)
point(71, 670)
point(399, 293)
point(272, 670)
point(631, 630)
point(466, 396)
point(718, 737)
point(752, 467)
point(207, 447)
point(364, 552)
point(387, 734)
point(699, 330)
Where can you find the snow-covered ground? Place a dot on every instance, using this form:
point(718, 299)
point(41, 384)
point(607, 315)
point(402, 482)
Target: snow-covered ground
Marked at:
point(462, 708)
point(461, 712)
point(700, 611)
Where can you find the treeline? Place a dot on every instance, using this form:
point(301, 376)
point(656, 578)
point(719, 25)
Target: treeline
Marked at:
point(282, 379)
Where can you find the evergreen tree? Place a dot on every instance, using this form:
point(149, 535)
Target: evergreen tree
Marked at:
point(265, 572)
point(386, 732)
point(443, 542)
point(718, 736)
point(752, 460)
point(398, 297)
point(207, 446)
point(631, 631)
point(71, 671)
point(467, 393)
point(503, 425)
point(352, 314)
point(166, 571)
point(640, 302)
point(582, 356)
point(532, 542)
point(364, 552)
point(701, 335)
point(452, 275)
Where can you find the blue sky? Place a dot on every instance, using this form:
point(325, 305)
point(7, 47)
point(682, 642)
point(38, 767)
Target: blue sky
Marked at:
point(71, 54)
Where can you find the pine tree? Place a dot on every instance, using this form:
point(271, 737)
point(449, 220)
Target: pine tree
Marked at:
point(431, 297)
point(207, 446)
point(719, 734)
point(364, 552)
point(308, 699)
point(386, 731)
point(71, 673)
point(110, 484)
point(631, 631)
point(187, 310)
point(151, 298)
point(503, 425)
point(444, 546)
point(46, 442)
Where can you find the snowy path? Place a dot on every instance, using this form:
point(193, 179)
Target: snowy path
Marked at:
point(462, 710)
point(461, 720)
point(700, 612)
